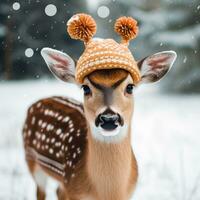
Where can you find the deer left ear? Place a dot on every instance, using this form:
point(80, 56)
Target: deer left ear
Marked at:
point(156, 66)
point(60, 64)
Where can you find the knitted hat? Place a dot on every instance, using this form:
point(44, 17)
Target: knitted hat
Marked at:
point(103, 53)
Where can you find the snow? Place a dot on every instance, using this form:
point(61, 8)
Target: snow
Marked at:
point(29, 52)
point(103, 11)
point(165, 139)
point(16, 6)
point(50, 10)
point(182, 38)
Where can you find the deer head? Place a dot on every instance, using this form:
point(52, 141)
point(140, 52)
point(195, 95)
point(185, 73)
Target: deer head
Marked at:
point(107, 73)
point(108, 93)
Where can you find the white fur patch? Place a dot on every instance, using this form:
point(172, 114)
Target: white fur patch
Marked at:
point(41, 179)
point(109, 136)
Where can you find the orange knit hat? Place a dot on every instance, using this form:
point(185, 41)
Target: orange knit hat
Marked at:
point(103, 53)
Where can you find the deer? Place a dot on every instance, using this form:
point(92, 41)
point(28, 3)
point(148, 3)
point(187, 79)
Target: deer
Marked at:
point(86, 146)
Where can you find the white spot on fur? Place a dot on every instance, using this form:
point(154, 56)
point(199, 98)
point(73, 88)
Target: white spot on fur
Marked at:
point(29, 133)
point(57, 155)
point(33, 120)
point(53, 140)
point(34, 141)
point(66, 119)
point(51, 127)
point(38, 135)
point(58, 144)
point(40, 122)
point(69, 163)
point(38, 104)
point(38, 145)
point(74, 155)
point(78, 134)
point(70, 139)
point(31, 110)
point(44, 124)
point(71, 130)
point(78, 150)
point(46, 112)
point(58, 132)
point(71, 125)
point(43, 137)
point(51, 151)
point(60, 118)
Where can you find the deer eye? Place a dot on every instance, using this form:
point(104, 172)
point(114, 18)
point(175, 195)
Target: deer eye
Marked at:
point(86, 90)
point(129, 88)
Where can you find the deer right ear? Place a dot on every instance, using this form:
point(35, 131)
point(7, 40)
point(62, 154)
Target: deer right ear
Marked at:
point(156, 66)
point(60, 64)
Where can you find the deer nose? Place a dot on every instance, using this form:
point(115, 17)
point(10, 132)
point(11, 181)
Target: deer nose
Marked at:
point(108, 120)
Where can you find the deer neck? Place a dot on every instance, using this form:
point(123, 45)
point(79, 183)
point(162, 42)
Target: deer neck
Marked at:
point(109, 164)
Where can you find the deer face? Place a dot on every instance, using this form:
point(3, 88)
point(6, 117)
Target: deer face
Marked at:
point(108, 94)
point(108, 103)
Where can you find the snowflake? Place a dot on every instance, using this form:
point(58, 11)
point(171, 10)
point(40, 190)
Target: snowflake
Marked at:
point(29, 52)
point(16, 6)
point(103, 11)
point(50, 10)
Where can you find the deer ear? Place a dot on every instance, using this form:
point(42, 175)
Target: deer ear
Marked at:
point(156, 66)
point(60, 64)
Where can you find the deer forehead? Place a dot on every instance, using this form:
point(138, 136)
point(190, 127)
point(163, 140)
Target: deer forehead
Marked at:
point(108, 79)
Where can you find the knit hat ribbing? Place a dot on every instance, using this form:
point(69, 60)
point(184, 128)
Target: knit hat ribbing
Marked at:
point(103, 53)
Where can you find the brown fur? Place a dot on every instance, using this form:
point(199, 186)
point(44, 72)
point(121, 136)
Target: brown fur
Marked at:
point(108, 78)
point(101, 171)
point(112, 169)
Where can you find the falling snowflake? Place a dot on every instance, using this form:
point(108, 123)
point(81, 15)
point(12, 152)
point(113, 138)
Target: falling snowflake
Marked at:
point(50, 10)
point(198, 7)
point(103, 11)
point(29, 52)
point(185, 59)
point(16, 6)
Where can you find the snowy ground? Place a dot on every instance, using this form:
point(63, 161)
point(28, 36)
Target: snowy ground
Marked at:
point(166, 141)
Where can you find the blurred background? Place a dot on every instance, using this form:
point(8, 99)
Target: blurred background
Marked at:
point(166, 128)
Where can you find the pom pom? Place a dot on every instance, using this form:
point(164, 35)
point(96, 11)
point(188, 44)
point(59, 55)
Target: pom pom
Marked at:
point(127, 28)
point(82, 27)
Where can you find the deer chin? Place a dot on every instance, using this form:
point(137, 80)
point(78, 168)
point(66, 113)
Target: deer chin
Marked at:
point(109, 133)
point(112, 136)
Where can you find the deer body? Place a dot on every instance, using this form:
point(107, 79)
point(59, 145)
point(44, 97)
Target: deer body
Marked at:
point(87, 148)
point(55, 139)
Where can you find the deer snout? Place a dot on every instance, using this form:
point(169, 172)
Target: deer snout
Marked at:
point(108, 120)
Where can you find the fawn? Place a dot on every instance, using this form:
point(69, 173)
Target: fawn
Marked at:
point(87, 147)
